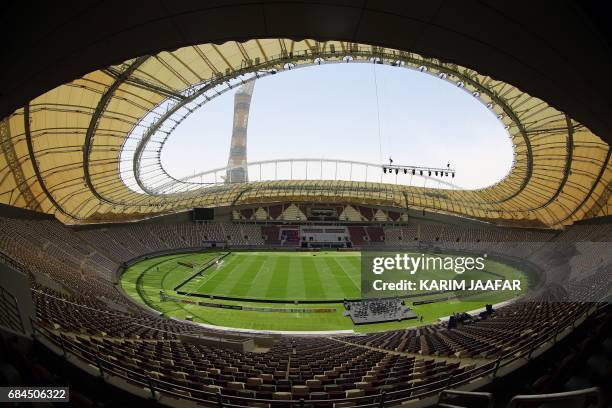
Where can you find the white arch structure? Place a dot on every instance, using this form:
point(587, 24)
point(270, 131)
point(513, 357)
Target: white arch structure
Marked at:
point(312, 169)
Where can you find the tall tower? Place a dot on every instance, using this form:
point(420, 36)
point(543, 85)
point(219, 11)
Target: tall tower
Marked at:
point(237, 162)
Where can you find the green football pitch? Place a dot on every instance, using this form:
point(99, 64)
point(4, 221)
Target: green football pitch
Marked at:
point(288, 276)
point(280, 280)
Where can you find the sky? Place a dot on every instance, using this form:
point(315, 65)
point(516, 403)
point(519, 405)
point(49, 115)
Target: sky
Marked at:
point(338, 111)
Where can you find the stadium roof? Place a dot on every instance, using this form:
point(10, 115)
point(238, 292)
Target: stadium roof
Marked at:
point(61, 150)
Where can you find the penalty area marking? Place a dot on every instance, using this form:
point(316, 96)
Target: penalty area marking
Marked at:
point(210, 276)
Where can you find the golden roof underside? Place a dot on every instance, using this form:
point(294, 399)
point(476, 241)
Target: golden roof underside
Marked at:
point(60, 154)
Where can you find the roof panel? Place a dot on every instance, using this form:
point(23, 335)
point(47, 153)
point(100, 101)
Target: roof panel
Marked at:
point(558, 162)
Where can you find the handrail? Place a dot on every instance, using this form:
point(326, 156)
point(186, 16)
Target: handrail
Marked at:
point(593, 392)
point(377, 400)
point(477, 395)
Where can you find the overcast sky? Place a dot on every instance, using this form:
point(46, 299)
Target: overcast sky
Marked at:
point(330, 111)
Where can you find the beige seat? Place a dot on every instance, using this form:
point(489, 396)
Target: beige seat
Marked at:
point(215, 389)
point(313, 383)
point(362, 385)
point(415, 382)
point(354, 393)
point(235, 385)
point(281, 395)
point(254, 381)
point(266, 377)
point(300, 391)
point(201, 373)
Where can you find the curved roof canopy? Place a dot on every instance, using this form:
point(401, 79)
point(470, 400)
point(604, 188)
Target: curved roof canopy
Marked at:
point(61, 152)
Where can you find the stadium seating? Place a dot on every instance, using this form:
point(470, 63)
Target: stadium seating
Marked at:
point(376, 234)
point(271, 234)
point(89, 317)
point(358, 235)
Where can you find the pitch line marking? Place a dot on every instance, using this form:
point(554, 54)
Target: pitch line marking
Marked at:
point(210, 276)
